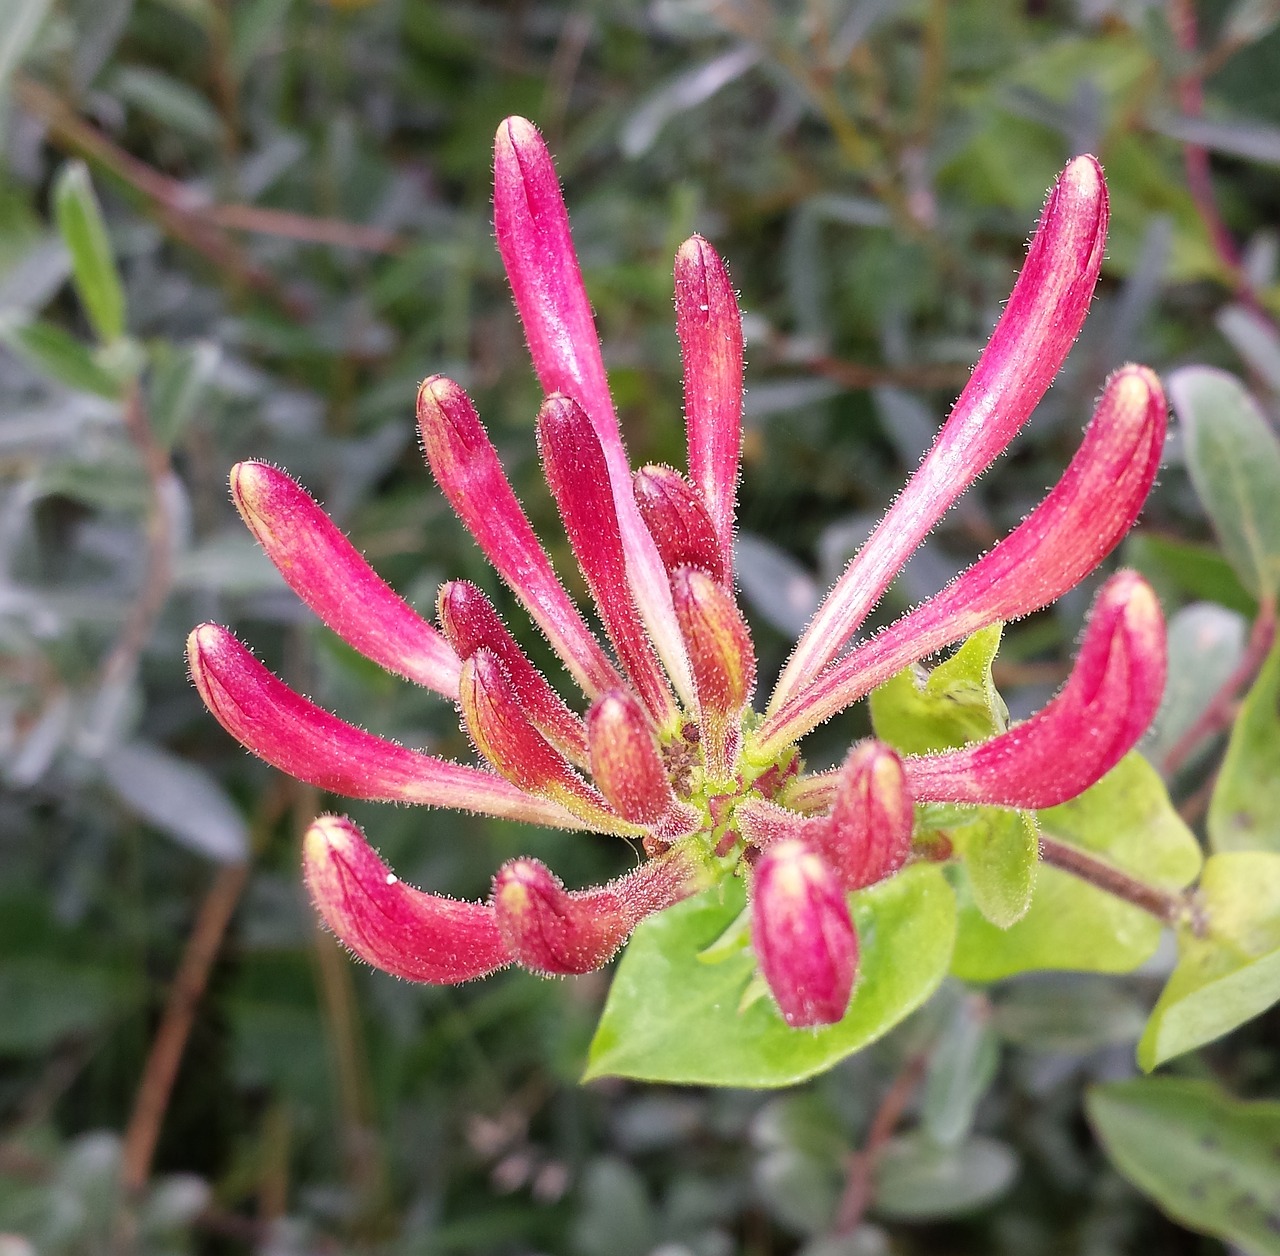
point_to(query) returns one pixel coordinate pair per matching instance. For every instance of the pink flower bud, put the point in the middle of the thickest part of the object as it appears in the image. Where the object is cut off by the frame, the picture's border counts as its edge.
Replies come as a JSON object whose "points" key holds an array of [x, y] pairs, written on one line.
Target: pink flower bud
{"points": [[678, 521], [1108, 702], [504, 734], [868, 835], [579, 480], [1040, 322], [292, 734], [327, 572], [722, 657], [555, 931], [467, 469], [710, 329], [470, 622], [803, 935], [625, 759], [403, 931]]}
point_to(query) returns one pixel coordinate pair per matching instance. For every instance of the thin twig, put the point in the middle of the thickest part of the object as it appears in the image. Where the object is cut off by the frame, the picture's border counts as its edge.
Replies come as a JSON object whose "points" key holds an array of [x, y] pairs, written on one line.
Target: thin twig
{"points": [[165, 1057], [1167, 906], [1195, 157], [861, 1165], [1218, 714]]}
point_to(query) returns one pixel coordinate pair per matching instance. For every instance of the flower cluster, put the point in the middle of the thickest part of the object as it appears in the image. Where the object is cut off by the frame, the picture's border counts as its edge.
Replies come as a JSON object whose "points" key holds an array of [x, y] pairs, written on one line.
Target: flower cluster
{"points": [[670, 751]]}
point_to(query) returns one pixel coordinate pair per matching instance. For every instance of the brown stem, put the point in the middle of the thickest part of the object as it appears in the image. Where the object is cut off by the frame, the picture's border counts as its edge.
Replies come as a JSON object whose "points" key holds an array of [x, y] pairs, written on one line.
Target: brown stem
{"points": [[1217, 715], [861, 1165], [170, 1042], [1166, 906]]}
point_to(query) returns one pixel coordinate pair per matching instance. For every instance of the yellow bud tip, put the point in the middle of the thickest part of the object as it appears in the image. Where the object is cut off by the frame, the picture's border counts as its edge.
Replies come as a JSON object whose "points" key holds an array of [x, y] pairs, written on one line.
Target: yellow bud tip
{"points": [[795, 868], [887, 780], [1082, 175], [517, 132], [1142, 609], [249, 486]]}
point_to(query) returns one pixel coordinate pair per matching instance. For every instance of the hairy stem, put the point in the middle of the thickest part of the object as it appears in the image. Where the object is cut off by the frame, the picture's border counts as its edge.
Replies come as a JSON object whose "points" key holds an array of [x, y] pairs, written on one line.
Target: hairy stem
{"points": [[1167, 906]]}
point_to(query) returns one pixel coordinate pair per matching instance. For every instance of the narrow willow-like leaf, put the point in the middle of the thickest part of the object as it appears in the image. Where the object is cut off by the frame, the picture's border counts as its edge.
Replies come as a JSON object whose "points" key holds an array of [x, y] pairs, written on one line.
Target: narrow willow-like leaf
{"points": [[1207, 1160], [1244, 813], [93, 264], [1234, 460]]}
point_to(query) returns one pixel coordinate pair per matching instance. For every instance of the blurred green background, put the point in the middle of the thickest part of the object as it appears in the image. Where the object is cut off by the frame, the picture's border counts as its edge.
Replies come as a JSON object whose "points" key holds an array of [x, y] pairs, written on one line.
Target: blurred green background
{"points": [[298, 196]]}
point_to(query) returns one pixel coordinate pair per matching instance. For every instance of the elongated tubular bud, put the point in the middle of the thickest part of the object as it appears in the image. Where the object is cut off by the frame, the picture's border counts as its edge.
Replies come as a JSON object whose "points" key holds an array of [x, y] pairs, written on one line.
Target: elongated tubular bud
{"points": [[467, 468], [504, 734], [328, 573], [678, 521], [307, 742], [403, 931], [1108, 702], [722, 656], [802, 934], [868, 834], [1082, 519], [575, 469], [709, 325], [532, 227], [471, 622], [1040, 322], [625, 760], [556, 931]]}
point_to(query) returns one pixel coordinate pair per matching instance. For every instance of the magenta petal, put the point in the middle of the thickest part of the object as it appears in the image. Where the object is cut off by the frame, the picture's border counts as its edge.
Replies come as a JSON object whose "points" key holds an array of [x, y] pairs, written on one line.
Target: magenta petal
{"points": [[422, 937], [506, 736], [327, 572], [576, 473], [556, 931], [678, 521], [802, 934], [471, 623], [532, 226], [1040, 322], [868, 834], [709, 325], [1108, 702], [626, 761], [1082, 519], [467, 468], [301, 739]]}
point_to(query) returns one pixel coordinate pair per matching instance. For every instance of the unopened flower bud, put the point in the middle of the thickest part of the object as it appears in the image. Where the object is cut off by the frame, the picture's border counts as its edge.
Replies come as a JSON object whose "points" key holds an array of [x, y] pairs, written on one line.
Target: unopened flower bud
{"points": [[625, 760], [553, 930], [470, 622], [1109, 700], [868, 835], [507, 738], [419, 936], [675, 515], [721, 655], [802, 934]]}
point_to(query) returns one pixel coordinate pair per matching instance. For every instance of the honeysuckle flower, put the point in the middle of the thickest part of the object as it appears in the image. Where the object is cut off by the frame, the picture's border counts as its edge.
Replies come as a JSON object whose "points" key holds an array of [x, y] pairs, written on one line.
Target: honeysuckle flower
{"points": [[662, 745]]}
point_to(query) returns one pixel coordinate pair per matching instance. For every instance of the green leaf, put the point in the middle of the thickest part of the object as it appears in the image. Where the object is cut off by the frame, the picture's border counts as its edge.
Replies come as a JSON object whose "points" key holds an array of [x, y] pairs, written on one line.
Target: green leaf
{"points": [[48, 1000], [1231, 973], [1234, 461], [93, 266], [961, 1067], [1244, 813], [1178, 571], [1069, 1013], [1127, 819], [954, 704], [60, 356], [1207, 1160], [672, 1018], [19, 24], [917, 1180], [179, 379], [168, 101], [1001, 851], [1206, 644]]}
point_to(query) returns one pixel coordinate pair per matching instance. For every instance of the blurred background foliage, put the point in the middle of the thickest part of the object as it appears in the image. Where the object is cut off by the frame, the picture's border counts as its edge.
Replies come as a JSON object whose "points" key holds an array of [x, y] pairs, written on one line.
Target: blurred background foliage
{"points": [[297, 196]]}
